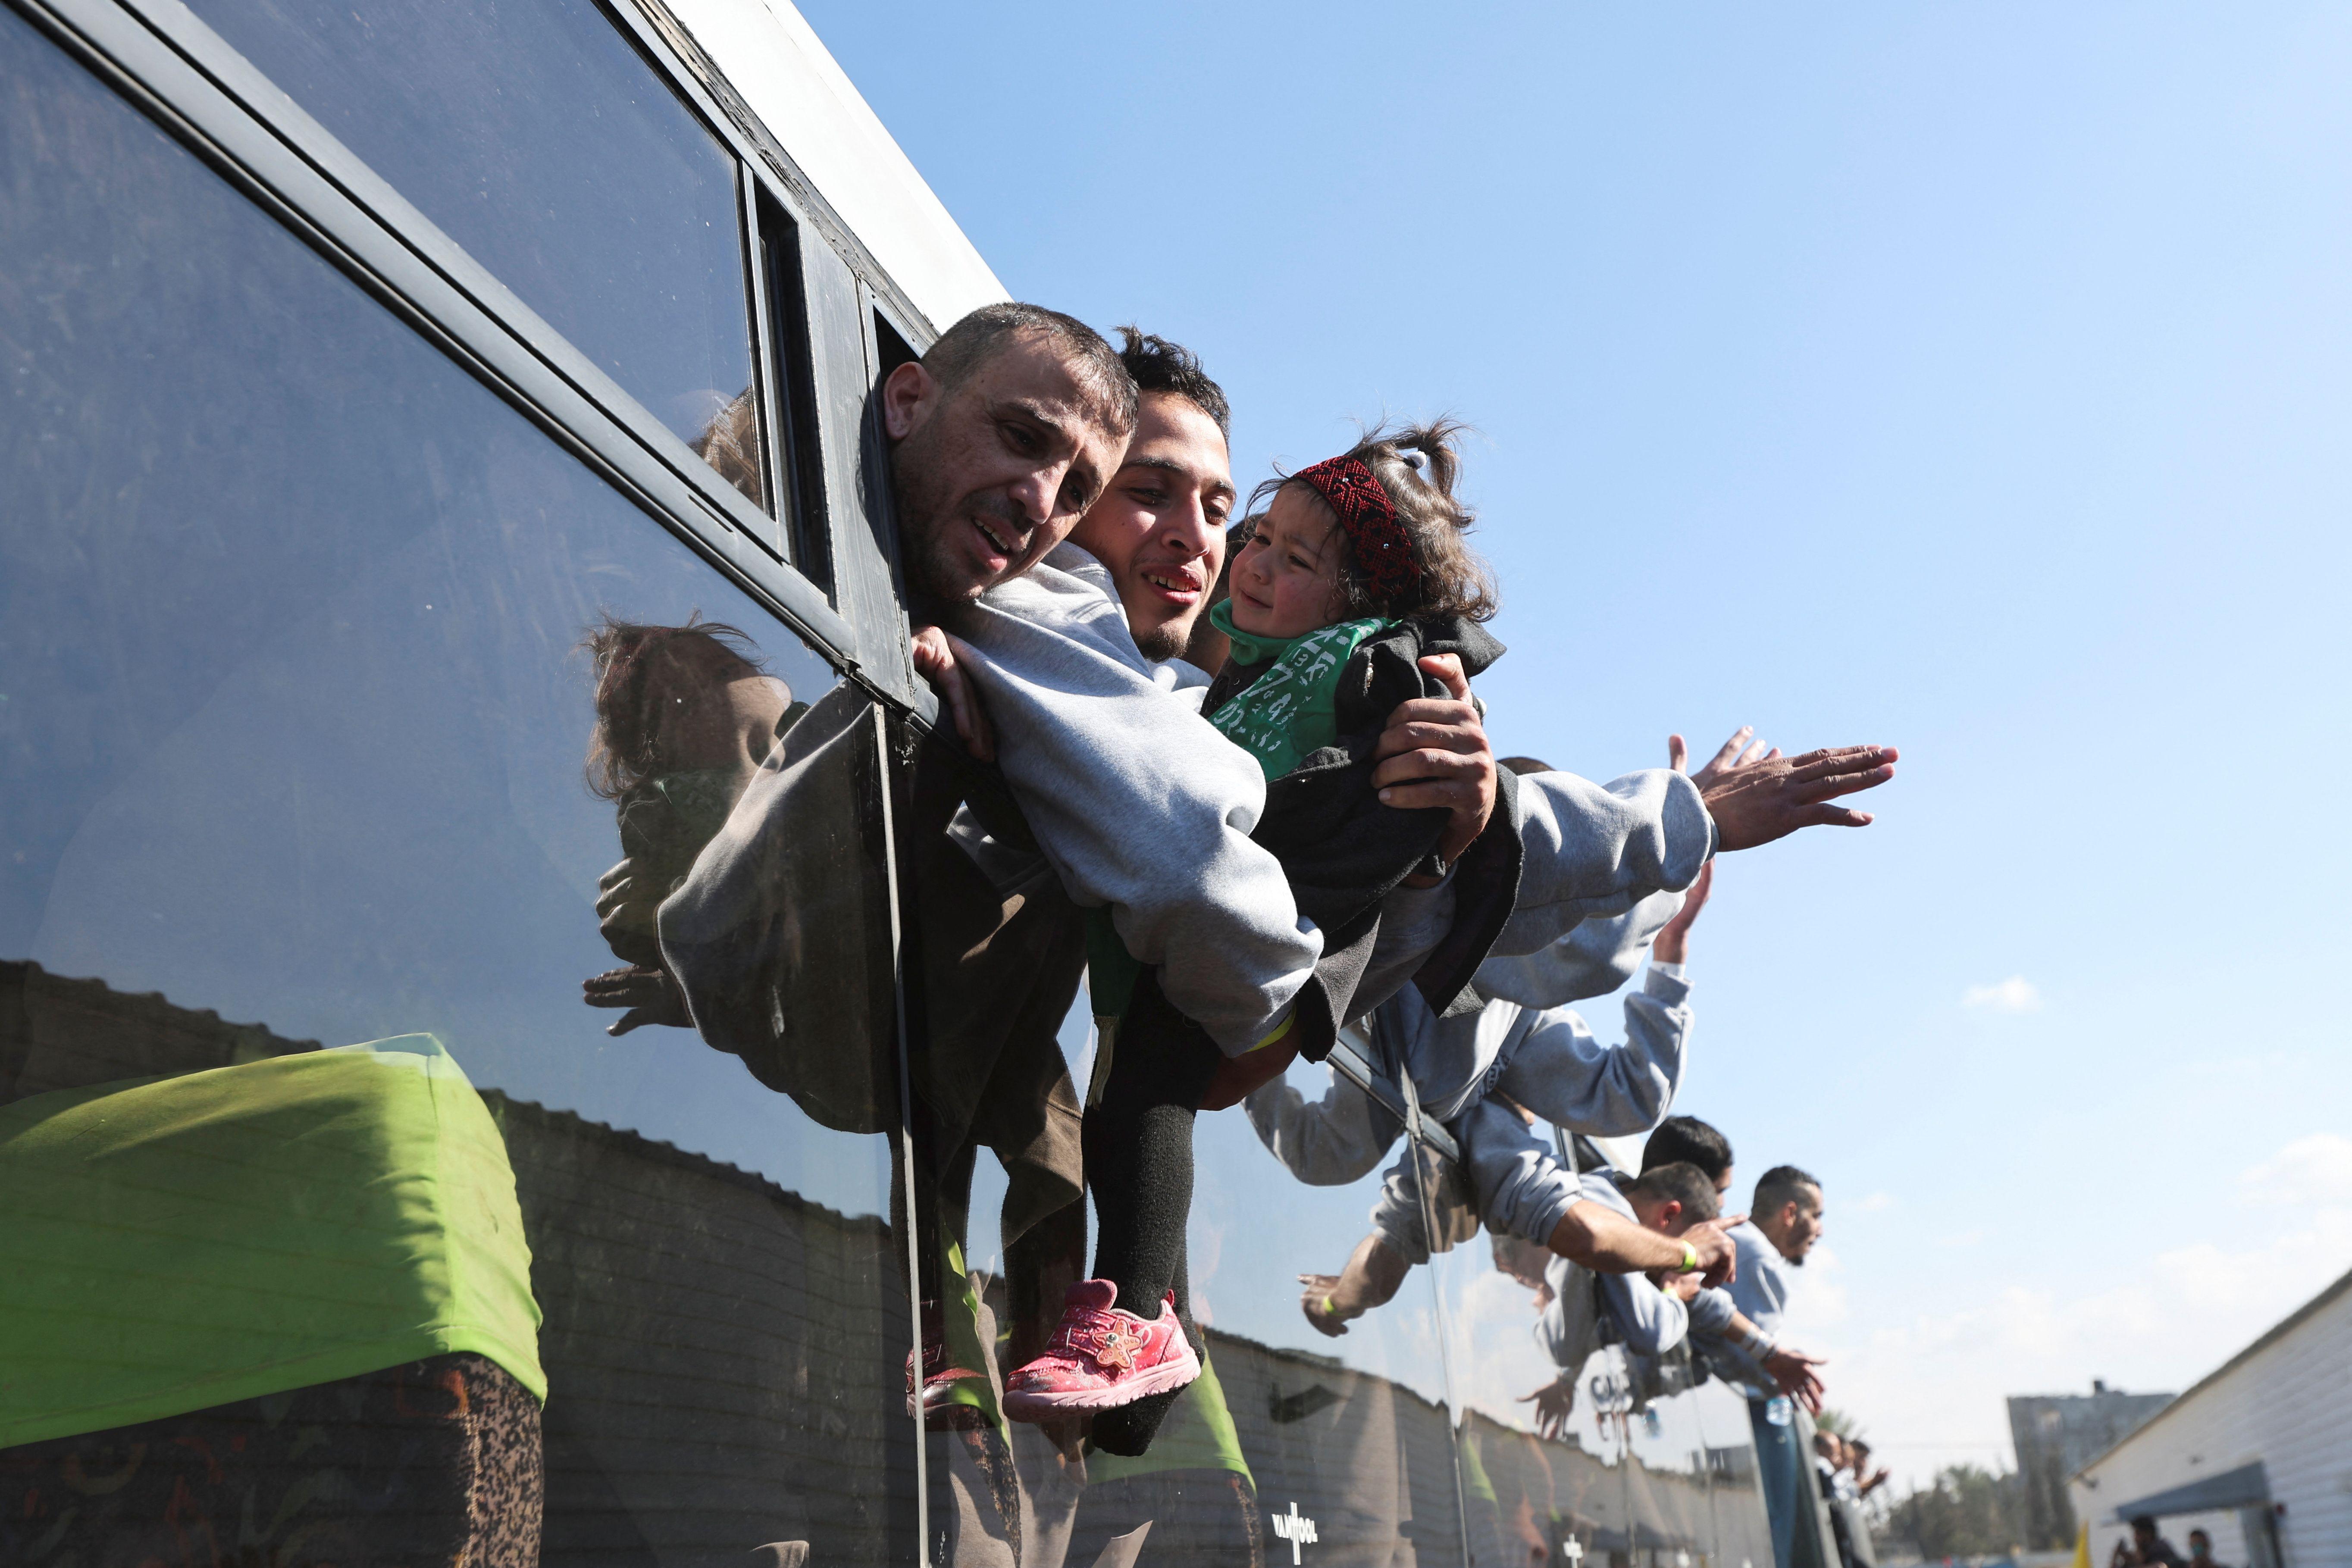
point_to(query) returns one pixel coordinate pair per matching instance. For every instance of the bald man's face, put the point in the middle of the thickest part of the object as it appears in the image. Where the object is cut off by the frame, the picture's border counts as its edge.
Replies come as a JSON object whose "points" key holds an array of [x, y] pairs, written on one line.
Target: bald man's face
{"points": [[1160, 527], [991, 475]]}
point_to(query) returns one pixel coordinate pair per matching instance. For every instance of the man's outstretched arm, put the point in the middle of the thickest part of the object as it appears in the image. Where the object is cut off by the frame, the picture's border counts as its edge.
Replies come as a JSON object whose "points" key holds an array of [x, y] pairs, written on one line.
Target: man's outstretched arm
{"points": [[1374, 1274], [1605, 1241], [1715, 1318], [1595, 850]]}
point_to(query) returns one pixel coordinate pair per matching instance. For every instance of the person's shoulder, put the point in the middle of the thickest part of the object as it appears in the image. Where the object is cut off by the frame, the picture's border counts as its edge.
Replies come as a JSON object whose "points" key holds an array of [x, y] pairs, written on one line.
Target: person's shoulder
{"points": [[1466, 639], [1604, 1186], [1067, 599], [1067, 579]]}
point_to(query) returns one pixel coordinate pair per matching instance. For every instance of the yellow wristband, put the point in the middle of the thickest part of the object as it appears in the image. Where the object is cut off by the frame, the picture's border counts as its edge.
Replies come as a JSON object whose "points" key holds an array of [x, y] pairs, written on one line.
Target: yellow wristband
{"points": [[1690, 1259], [1278, 1032], [1327, 1305]]}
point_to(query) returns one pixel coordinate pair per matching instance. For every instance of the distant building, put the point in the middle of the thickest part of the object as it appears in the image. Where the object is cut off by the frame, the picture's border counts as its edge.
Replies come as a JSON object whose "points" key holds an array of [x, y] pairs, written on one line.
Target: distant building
{"points": [[2259, 1453], [2058, 1434]]}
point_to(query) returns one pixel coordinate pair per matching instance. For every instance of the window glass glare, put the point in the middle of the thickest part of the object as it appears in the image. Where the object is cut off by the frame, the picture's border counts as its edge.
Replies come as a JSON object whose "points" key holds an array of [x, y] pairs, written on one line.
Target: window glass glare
{"points": [[352, 735], [533, 134]]}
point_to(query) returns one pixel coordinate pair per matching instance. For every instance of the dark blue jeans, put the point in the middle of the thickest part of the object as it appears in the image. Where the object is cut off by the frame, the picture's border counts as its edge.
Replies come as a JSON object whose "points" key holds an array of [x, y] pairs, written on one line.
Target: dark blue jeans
{"points": [[1786, 1472]]}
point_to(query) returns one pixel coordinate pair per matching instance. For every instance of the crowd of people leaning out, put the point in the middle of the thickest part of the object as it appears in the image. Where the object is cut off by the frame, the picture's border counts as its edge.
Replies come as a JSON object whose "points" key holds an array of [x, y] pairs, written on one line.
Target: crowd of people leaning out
{"points": [[1231, 770]]}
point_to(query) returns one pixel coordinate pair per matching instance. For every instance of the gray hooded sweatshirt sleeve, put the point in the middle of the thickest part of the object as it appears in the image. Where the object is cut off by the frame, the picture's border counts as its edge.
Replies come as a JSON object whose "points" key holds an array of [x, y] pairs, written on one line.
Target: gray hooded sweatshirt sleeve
{"points": [[1335, 1140], [1593, 958], [1653, 1321], [1561, 1071], [1137, 802], [1600, 849]]}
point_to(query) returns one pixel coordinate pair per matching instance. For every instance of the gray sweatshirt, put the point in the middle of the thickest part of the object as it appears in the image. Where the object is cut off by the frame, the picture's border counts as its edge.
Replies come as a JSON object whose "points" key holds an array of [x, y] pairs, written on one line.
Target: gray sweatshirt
{"points": [[1344, 1135], [1650, 1322], [1549, 1063], [1137, 801], [1142, 805], [1760, 1290]]}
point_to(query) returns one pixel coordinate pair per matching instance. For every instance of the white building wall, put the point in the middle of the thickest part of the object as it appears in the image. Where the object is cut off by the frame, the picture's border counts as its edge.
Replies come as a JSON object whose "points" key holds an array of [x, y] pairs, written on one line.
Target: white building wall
{"points": [[2290, 1405], [769, 53]]}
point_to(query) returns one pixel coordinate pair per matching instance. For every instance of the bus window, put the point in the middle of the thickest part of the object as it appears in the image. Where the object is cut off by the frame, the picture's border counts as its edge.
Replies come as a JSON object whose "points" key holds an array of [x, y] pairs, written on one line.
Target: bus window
{"points": [[536, 136], [356, 739]]}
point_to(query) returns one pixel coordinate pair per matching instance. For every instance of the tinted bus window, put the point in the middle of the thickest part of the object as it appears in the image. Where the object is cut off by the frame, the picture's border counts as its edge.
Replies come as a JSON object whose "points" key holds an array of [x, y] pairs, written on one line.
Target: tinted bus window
{"points": [[356, 739], [535, 136], [1634, 1459]]}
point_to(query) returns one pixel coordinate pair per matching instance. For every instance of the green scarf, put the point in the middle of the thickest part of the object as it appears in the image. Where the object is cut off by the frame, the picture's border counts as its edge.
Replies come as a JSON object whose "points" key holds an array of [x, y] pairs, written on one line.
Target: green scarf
{"points": [[1292, 710]]}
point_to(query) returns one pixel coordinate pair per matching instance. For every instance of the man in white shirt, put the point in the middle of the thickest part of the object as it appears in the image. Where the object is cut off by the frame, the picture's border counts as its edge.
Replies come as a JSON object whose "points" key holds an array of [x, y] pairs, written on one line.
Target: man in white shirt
{"points": [[1783, 1224]]}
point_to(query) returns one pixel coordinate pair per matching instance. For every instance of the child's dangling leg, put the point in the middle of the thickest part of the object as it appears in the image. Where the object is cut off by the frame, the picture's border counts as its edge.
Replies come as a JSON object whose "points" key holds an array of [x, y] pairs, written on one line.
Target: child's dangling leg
{"points": [[1122, 1338]]}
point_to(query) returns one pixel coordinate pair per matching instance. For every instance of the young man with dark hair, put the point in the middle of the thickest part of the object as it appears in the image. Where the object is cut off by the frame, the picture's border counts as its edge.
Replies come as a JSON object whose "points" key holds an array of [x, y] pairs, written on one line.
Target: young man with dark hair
{"points": [[1688, 1139], [1650, 1312], [1160, 526], [1784, 1224]]}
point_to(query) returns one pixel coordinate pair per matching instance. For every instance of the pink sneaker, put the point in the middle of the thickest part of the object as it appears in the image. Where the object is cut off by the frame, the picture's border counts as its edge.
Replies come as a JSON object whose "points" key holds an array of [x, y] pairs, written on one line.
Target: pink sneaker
{"points": [[950, 1393], [1101, 1358]]}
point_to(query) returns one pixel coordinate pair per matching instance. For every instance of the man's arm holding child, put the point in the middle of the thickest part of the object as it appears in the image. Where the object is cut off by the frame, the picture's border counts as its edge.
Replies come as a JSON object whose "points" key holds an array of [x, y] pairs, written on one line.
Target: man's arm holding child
{"points": [[1114, 771]]}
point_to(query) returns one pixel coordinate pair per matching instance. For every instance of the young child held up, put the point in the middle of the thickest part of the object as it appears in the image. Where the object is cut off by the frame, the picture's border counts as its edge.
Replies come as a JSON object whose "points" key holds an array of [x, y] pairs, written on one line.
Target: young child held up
{"points": [[1356, 570]]}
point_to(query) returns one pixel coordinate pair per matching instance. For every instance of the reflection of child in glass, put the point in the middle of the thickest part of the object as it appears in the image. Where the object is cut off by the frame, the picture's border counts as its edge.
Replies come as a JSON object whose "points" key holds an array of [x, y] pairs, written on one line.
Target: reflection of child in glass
{"points": [[1355, 568], [684, 716]]}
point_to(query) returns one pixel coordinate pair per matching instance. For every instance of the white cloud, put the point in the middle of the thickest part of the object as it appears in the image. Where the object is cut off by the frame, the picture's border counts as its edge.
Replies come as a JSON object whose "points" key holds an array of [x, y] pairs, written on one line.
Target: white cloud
{"points": [[2014, 994], [1927, 1386], [2314, 1170], [1873, 1203]]}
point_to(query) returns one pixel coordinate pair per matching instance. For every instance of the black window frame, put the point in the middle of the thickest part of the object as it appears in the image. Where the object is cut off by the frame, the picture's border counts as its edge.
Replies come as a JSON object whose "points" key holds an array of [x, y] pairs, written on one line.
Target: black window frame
{"points": [[161, 58]]}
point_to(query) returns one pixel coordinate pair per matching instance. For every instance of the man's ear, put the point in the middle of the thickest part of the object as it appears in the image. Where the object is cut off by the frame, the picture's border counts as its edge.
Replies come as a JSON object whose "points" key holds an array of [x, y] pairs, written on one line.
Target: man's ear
{"points": [[1668, 1213], [908, 393]]}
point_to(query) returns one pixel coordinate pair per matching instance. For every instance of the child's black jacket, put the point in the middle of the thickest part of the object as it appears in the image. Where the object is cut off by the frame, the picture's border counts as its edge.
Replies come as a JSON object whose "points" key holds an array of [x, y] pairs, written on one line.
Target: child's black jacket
{"points": [[1344, 851]]}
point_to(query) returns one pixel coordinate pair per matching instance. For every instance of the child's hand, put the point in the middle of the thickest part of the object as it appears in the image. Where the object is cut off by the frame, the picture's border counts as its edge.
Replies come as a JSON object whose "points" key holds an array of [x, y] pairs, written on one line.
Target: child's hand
{"points": [[938, 659]]}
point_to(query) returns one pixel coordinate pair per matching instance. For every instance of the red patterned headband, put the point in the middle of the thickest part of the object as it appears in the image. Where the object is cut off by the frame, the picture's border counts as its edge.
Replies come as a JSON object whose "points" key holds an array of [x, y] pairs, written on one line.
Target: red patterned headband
{"points": [[1383, 549]]}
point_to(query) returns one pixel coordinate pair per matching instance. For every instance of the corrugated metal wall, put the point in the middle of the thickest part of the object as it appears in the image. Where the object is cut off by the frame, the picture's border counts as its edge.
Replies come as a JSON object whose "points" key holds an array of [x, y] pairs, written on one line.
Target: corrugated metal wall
{"points": [[2289, 1404]]}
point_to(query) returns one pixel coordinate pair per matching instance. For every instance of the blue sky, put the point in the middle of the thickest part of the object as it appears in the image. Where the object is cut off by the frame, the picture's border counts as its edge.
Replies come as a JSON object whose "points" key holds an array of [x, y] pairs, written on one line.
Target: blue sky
{"points": [[1974, 378]]}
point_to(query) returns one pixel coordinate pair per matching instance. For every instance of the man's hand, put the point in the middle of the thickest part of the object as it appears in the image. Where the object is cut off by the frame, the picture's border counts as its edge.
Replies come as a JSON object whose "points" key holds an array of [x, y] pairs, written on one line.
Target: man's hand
{"points": [[1754, 803], [940, 660], [626, 909], [1435, 752], [1672, 944], [1793, 1371], [647, 992], [1552, 1403], [1742, 750], [1329, 1323], [1604, 1241], [1682, 1286], [1718, 1260]]}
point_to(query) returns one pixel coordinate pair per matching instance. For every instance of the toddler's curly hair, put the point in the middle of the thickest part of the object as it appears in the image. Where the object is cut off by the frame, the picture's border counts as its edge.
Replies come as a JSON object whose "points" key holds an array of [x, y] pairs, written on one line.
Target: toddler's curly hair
{"points": [[1417, 466]]}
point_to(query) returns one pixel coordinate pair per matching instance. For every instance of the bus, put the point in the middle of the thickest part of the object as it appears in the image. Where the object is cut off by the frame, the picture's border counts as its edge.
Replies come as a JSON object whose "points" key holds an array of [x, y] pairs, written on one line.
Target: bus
{"points": [[447, 565]]}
